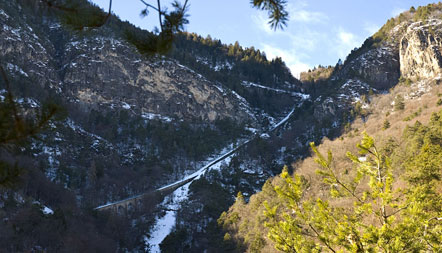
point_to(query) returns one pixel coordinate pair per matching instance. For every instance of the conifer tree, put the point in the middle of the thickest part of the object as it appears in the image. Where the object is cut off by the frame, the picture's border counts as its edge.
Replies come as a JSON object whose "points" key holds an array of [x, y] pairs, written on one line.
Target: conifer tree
{"points": [[382, 218], [16, 129], [80, 15], [399, 103], [386, 124]]}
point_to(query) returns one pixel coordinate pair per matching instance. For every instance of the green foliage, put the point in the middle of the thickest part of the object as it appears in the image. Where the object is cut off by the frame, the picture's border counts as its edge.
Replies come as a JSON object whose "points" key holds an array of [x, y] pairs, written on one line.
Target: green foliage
{"points": [[233, 64], [386, 124], [405, 81], [276, 8], [439, 102], [16, 127], [79, 14], [424, 143], [399, 103], [422, 13], [382, 34], [383, 218], [82, 15], [9, 174], [317, 74], [358, 110], [413, 115]]}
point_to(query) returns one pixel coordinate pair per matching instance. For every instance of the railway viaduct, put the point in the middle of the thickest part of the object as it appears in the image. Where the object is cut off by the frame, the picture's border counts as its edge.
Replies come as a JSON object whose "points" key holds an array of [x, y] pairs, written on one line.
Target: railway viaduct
{"points": [[125, 205]]}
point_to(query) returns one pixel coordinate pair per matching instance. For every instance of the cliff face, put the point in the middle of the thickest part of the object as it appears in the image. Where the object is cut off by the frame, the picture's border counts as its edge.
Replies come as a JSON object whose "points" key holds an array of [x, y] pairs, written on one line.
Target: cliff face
{"points": [[108, 72], [105, 72], [420, 50], [377, 66], [133, 122], [410, 49], [137, 121]]}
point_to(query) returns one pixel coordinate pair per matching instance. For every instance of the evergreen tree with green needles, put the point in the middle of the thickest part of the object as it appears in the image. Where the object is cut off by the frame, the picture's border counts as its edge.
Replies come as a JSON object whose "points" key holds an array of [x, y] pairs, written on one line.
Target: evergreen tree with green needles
{"points": [[382, 217]]}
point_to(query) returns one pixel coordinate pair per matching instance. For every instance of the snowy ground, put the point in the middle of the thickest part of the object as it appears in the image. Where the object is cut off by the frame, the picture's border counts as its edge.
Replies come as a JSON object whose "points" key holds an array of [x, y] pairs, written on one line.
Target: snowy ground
{"points": [[172, 203], [164, 224]]}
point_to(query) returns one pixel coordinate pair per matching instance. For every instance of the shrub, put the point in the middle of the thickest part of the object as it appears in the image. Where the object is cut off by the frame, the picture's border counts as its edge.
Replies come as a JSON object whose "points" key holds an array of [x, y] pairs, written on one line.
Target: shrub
{"points": [[386, 124], [399, 103]]}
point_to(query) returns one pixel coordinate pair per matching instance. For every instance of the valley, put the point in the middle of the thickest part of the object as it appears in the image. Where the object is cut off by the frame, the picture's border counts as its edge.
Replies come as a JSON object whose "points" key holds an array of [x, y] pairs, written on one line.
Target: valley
{"points": [[183, 151]]}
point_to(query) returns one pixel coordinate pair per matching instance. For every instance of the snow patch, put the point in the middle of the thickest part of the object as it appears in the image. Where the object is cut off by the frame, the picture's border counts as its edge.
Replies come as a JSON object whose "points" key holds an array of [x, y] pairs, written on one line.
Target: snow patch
{"points": [[3, 13], [54, 26], [46, 210], [172, 203], [265, 136], [126, 106], [15, 68], [362, 158], [79, 129], [251, 129], [28, 101], [294, 94], [165, 224], [151, 116]]}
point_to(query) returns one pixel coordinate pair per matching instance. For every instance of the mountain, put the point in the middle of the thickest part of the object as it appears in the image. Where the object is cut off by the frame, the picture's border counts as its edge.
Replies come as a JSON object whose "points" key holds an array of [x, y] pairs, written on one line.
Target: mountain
{"points": [[128, 124], [131, 123], [389, 88]]}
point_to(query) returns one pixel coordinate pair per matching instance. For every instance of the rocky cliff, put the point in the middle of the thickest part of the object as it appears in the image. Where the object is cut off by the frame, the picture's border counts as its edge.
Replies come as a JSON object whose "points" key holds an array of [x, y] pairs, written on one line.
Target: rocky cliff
{"points": [[135, 123], [420, 50], [404, 47], [105, 72], [132, 122], [402, 61]]}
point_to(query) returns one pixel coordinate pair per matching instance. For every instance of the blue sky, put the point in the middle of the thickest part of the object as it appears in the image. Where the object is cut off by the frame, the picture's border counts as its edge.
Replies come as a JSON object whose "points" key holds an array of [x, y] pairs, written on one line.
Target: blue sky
{"points": [[319, 31]]}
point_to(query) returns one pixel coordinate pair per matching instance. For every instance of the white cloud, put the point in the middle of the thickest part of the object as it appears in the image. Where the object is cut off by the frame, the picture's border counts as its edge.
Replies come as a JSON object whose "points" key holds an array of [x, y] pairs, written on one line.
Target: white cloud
{"points": [[290, 57], [298, 68], [307, 16], [346, 37], [298, 14], [262, 23], [345, 42], [371, 28], [309, 36], [396, 11], [306, 40]]}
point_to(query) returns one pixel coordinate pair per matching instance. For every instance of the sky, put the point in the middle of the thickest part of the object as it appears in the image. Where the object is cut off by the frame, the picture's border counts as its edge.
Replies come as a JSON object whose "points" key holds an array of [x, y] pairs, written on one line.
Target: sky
{"points": [[319, 32]]}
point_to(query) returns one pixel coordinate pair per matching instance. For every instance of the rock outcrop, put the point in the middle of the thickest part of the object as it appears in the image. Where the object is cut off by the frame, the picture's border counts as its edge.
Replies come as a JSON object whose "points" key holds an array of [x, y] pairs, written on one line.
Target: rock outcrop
{"points": [[420, 50], [105, 72], [377, 66]]}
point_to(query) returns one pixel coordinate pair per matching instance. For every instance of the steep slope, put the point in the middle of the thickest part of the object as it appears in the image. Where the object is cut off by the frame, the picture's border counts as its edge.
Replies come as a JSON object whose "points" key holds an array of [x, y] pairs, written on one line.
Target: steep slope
{"points": [[407, 47], [420, 50], [96, 71], [129, 124], [98, 78], [266, 84]]}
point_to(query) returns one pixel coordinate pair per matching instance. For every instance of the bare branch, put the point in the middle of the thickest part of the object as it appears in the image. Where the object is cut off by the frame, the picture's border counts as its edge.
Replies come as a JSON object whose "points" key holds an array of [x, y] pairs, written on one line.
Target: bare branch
{"points": [[149, 5], [10, 97], [159, 14]]}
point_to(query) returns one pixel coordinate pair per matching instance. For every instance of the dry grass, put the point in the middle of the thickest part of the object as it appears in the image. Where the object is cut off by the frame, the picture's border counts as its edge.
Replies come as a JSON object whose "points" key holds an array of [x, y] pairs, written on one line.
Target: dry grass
{"points": [[317, 74], [380, 106]]}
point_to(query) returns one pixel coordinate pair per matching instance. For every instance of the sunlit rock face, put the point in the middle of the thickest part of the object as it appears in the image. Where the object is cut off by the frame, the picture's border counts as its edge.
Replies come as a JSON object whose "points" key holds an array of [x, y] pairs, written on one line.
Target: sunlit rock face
{"points": [[106, 72], [420, 50]]}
